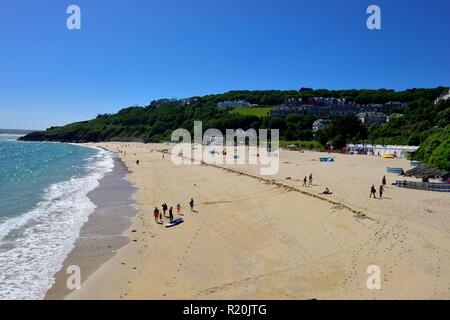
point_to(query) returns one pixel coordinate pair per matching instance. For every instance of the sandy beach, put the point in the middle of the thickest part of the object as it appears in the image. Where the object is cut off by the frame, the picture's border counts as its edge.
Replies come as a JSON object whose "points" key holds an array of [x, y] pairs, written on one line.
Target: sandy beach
{"points": [[254, 238]]}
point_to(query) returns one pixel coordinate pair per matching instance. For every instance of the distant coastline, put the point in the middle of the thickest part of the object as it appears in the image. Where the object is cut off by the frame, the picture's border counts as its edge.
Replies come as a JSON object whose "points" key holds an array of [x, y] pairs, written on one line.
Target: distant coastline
{"points": [[16, 131]]}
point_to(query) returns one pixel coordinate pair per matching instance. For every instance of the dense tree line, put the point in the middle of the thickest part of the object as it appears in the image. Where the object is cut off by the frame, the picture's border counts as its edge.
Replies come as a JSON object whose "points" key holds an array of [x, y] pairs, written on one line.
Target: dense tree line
{"points": [[421, 122]]}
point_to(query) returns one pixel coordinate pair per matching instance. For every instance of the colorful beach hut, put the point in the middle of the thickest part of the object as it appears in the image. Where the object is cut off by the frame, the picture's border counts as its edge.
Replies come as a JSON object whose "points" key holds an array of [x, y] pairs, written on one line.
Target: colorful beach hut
{"points": [[427, 186], [415, 164], [395, 170]]}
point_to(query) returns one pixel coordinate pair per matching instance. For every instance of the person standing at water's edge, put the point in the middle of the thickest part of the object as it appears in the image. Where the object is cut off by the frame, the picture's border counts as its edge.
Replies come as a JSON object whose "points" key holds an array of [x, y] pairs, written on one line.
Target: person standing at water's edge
{"points": [[191, 204], [310, 179], [381, 191], [383, 181], [178, 209], [171, 214]]}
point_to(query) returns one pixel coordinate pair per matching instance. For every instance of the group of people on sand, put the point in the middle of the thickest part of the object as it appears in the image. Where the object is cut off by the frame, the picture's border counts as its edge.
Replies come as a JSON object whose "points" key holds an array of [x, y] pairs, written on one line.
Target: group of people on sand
{"points": [[308, 179], [158, 215], [122, 151], [373, 190]]}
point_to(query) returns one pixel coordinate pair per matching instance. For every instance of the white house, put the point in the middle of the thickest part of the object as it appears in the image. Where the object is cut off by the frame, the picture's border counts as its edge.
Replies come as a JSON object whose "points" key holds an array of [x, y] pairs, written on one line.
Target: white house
{"points": [[370, 118], [320, 124]]}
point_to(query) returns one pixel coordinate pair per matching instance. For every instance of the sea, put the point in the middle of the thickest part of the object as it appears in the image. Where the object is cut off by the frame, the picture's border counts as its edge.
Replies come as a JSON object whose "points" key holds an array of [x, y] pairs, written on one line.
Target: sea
{"points": [[44, 203]]}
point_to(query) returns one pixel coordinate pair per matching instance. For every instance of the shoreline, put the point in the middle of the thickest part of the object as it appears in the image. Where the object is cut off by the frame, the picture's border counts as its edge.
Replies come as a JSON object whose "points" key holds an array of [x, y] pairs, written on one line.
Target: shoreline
{"points": [[103, 234]]}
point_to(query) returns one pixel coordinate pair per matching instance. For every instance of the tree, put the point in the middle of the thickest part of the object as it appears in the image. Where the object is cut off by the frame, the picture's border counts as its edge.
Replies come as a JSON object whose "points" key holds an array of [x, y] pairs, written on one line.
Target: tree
{"points": [[321, 137], [339, 141]]}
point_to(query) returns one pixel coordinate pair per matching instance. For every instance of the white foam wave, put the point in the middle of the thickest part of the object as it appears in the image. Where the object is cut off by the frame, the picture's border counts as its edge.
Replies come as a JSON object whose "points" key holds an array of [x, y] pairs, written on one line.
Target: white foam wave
{"points": [[34, 246]]}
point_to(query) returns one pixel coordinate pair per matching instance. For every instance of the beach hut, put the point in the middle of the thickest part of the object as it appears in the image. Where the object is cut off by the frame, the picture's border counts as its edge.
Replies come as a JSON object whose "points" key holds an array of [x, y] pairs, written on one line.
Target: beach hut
{"points": [[395, 170], [426, 171], [445, 177], [427, 186]]}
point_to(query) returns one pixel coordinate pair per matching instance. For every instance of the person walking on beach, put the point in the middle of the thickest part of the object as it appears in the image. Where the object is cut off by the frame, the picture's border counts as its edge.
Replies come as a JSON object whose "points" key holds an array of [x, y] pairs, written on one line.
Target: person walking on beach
{"points": [[310, 179], [171, 214], [304, 181], [373, 192], [383, 181], [178, 209], [381, 191], [156, 215], [164, 207], [191, 204]]}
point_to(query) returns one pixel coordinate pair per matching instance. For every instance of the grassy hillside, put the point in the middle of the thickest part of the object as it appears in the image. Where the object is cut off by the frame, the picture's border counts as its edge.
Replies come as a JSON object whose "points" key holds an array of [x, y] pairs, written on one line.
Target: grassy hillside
{"points": [[418, 121], [252, 111], [436, 149]]}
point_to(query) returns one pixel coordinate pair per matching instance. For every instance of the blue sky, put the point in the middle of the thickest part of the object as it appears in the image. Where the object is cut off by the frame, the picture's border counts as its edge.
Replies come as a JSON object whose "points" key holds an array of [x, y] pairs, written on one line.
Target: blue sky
{"points": [[129, 52]]}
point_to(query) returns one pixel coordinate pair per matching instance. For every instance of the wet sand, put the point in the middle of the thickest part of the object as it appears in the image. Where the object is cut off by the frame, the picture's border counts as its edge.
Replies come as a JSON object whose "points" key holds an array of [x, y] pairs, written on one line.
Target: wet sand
{"points": [[102, 235]]}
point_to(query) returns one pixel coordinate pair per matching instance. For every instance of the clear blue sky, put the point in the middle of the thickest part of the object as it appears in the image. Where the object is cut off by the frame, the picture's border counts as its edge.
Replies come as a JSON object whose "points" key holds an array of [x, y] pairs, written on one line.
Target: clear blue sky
{"points": [[132, 51]]}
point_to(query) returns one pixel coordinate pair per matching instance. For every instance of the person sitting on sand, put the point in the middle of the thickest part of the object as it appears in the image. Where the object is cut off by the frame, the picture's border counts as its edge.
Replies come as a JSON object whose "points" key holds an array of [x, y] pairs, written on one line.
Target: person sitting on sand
{"points": [[156, 215], [178, 209], [171, 214], [381, 191], [137, 162], [373, 192], [327, 191], [191, 204]]}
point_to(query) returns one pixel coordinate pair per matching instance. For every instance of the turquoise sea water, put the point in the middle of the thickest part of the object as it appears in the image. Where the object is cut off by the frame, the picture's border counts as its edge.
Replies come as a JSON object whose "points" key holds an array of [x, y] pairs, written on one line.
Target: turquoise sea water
{"points": [[43, 205]]}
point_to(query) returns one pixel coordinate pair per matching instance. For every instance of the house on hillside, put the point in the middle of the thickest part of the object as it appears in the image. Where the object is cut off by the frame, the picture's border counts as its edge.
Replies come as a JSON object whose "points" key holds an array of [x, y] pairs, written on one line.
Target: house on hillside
{"points": [[370, 118], [394, 116], [233, 104], [320, 124], [282, 111], [444, 96]]}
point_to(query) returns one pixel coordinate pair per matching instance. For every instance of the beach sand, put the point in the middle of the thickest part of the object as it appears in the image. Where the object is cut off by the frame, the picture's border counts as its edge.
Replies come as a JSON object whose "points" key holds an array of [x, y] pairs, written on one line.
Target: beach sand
{"points": [[252, 238]]}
